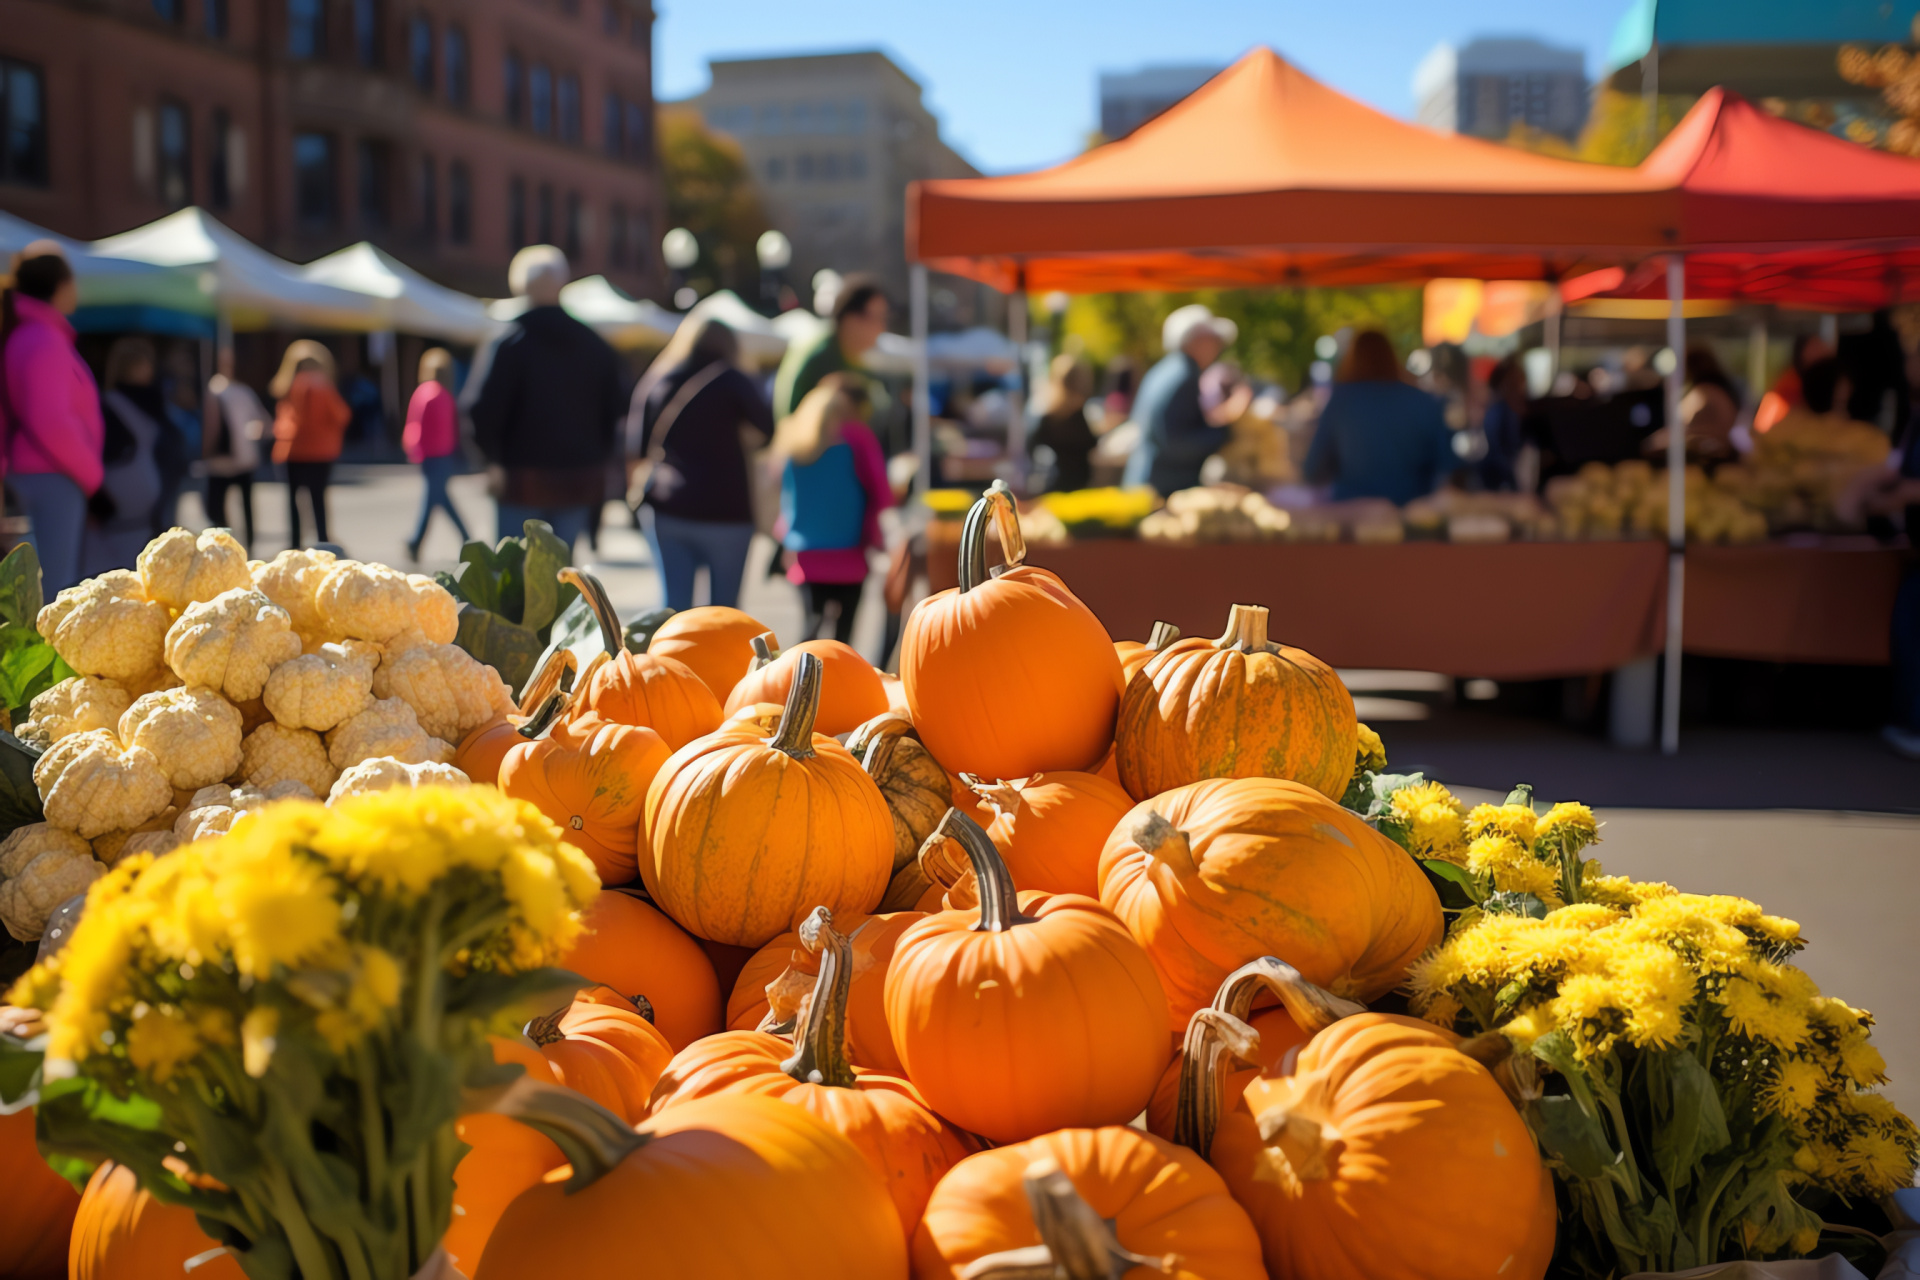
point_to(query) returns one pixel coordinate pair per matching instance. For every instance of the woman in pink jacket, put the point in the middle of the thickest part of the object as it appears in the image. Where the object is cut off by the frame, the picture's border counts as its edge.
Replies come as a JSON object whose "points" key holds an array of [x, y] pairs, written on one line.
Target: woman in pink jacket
{"points": [[50, 421], [432, 441]]}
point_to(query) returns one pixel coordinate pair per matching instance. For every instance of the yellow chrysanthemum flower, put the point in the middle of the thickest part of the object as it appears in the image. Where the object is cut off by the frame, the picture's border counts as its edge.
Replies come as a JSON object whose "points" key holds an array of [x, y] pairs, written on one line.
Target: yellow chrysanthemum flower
{"points": [[1585, 915], [1770, 1002], [159, 1041], [1515, 821], [372, 991], [1511, 866], [280, 910], [1432, 816], [1877, 1162], [1793, 1091], [1619, 891], [1529, 1025], [1862, 1062], [1370, 752], [1695, 927], [1569, 821]]}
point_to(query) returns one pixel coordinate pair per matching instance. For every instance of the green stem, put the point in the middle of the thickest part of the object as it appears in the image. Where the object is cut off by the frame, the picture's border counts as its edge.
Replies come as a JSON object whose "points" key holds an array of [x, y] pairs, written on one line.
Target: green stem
{"points": [[999, 899], [820, 1042], [372, 1118], [291, 1217], [794, 734], [1611, 1101], [1703, 1235]]}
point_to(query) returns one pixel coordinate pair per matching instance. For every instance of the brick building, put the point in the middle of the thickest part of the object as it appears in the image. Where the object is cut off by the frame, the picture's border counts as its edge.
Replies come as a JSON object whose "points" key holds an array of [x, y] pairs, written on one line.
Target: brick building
{"points": [[449, 132]]}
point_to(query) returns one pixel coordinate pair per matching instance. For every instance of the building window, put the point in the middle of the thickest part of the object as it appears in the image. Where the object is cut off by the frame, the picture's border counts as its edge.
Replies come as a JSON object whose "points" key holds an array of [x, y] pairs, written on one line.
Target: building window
{"points": [[610, 18], [169, 10], [569, 102], [176, 155], [611, 138], [313, 179], [540, 99], [376, 191], [545, 213], [776, 169], [219, 174], [510, 72], [617, 235], [420, 52], [457, 85], [639, 136], [459, 203], [23, 124], [428, 201], [306, 28], [368, 47], [516, 213], [214, 12], [576, 225]]}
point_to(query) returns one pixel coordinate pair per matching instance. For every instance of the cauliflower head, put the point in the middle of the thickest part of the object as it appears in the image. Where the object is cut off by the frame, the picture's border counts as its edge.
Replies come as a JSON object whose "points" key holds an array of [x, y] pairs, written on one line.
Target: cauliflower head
{"points": [[387, 728], [365, 601], [383, 772], [193, 732], [449, 690], [435, 612], [213, 810], [91, 784], [70, 707], [319, 690], [290, 580], [231, 643], [273, 753], [107, 627], [154, 836], [41, 866], [179, 568]]}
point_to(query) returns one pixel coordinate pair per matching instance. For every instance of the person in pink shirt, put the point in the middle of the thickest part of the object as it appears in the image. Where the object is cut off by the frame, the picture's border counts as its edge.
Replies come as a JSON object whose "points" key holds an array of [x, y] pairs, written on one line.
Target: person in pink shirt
{"points": [[432, 439], [833, 487], [51, 432]]}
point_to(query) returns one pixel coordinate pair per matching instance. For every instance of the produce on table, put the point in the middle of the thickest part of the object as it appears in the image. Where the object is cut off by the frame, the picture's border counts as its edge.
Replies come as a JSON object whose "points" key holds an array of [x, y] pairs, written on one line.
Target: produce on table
{"points": [[212, 811], [73, 706], [320, 689], [292, 581], [714, 641], [121, 1232], [451, 694], [603, 1044], [850, 690], [155, 835], [192, 732], [91, 784], [273, 754], [594, 788], [1051, 828], [383, 773], [1237, 707], [1219, 514], [180, 568], [650, 689], [38, 1208], [389, 727], [1630, 499], [231, 643], [106, 626], [917, 790], [628, 944], [41, 866]]}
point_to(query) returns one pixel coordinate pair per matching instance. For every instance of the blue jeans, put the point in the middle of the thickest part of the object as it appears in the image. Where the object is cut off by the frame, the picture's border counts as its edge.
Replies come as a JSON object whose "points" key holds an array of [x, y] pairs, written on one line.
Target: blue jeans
{"points": [[59, 513], [437, 472], [568, 522], [681, 546]]}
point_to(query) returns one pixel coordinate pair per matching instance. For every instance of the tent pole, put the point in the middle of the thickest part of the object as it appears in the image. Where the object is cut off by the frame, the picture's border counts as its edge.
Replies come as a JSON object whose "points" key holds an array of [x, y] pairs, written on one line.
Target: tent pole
{"points": [[922, 393], [1676, 502], [1017, 401]]}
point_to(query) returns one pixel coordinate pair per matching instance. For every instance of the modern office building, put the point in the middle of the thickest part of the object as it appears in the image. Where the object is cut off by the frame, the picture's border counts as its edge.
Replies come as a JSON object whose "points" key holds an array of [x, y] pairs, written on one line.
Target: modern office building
{"points": [[450, 132], [1493, 83], [1128, 99]]}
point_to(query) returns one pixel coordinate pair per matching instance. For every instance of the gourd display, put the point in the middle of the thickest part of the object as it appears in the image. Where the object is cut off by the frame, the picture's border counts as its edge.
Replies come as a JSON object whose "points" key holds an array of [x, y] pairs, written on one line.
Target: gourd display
{"points": [[38, 1208], [850, 690], [1022, 1017], [783, 971], [1237, 707], [714, 641], [882, 1115], [917, 790], [653, 690], [594, 788], [630, 945], [1010, 675], [1217, 873], [121, 1232], [748, 834], [1051, 828]]}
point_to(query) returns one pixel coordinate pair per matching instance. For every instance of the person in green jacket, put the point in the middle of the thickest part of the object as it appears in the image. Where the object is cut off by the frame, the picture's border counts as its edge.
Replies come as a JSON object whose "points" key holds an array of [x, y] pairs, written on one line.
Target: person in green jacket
{"points": [[859, 318]]}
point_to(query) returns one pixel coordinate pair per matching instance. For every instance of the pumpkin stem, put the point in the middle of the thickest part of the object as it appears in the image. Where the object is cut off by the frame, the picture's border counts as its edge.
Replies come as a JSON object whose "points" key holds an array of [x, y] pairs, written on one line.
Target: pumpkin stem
{"points": [[973, 547], [786, 997], [820, 1042], [794, 734], [995, 505], [545, 682], [999, 900], [592, 1138], [1313, 1009], [1307, 1145], [1003, 796], [612, 639], [1215, 1040], [1078, 1243], [1158, 838], [1247, 630], [766, 647], [545, 716], [1162, 635], [888, 727]]}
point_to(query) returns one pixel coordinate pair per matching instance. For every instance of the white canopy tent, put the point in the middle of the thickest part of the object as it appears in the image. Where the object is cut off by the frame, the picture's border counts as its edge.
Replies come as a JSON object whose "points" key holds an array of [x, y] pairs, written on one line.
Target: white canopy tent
{"points": [[760, 341], [410, 302], [106, 281], [593, 300]]}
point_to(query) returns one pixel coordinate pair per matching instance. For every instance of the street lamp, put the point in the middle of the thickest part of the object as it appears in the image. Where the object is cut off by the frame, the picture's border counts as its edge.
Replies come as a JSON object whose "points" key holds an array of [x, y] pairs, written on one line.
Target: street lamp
{"points": [[680, 250], [775, 252]]}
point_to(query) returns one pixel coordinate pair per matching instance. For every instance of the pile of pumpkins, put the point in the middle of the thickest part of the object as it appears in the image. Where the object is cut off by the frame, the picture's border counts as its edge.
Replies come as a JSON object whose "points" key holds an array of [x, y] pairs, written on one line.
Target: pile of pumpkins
{"points": [[1048, 958]]}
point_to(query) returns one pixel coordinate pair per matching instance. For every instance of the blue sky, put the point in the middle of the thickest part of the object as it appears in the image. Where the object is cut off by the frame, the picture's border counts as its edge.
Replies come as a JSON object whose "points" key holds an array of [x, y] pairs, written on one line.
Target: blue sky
{"points": [[1014, 81]]}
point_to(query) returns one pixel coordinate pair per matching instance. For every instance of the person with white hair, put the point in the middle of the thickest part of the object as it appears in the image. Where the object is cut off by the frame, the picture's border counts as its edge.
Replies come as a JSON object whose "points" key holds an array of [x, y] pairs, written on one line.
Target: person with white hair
{"points": [[1175, 436], [546, 404]]}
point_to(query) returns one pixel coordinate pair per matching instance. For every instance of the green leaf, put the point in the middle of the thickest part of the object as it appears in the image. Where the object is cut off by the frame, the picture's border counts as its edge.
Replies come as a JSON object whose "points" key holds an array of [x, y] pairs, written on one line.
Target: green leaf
{"points": [[19, 798], [1385, 784], [1572, 1137], [546, 556], [1453, 883], [478, 579], [26, 665], [507, 648], [20, 592], [451, 583], [1688, 1122], [19, 1069], [641, 630], [1521, 795], [510, 581]]}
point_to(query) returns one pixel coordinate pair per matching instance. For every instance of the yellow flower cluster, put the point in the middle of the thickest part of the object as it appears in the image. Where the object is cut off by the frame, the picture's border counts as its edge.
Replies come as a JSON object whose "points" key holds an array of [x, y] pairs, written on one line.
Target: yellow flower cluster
{"points": [[1434, 820], [1369, 752], [1507, 847]]}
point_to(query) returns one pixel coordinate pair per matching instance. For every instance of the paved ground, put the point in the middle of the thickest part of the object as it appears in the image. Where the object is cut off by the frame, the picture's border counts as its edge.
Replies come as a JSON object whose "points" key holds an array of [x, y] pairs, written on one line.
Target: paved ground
{"points": [[1817, 826]]}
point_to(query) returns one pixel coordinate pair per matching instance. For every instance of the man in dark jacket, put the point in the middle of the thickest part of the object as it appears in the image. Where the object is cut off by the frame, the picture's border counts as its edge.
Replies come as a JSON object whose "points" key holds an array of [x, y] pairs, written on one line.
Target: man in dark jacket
{"points": [[545, 405]]}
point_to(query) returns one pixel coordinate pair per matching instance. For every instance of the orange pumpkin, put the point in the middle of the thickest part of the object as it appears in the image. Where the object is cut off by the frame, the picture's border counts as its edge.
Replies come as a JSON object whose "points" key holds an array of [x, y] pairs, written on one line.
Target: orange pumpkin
{"points": [[882, 1115], [896, 693], [1025, 1015], [122, 1233], [783, 970], [1008, 676], [1212, 875], [748, 834], [653, 690], [1237, 707], [736, 1187], [480, 753], [631, 946], [1134, 654], [36, 1213], [1103, 1202], [850, 690], [1051, 828], [715, 641], [601, 1044], [593, 788]]}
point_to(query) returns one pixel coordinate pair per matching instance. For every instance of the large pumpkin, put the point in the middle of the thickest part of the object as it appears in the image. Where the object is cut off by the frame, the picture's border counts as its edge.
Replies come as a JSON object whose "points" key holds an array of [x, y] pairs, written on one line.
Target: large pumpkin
{"points": [[748, 834], [36, 1211], [654, 690], [1212, 875], [1103, 1202], [1024, 1016], [631, 946], [593, 787], [738, 1187], [784, 970], [715, 641], [850, 690], [122, 1233], [1237, 707], [1051, 828], [1012, 675], [882, 1115], [1135, 654], [917, 790], [1382, 1120], [481, 752]]}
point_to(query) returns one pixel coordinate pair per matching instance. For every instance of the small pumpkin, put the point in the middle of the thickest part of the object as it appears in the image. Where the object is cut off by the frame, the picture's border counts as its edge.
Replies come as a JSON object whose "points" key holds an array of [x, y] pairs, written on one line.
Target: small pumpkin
{"points": [[1025, 1016], [481, 752], [593, 787], [603, 1044], [747, 834], [850, 690], [1237, 707], [37, 1211], [1212, 875], [122, 1233], [1051, 828], [1135, 654], [882, 1115], [917, 790], [653, 690], [631, 946], [1012, 675], [735, 1187], [713, 640], [1085, 1204]]}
